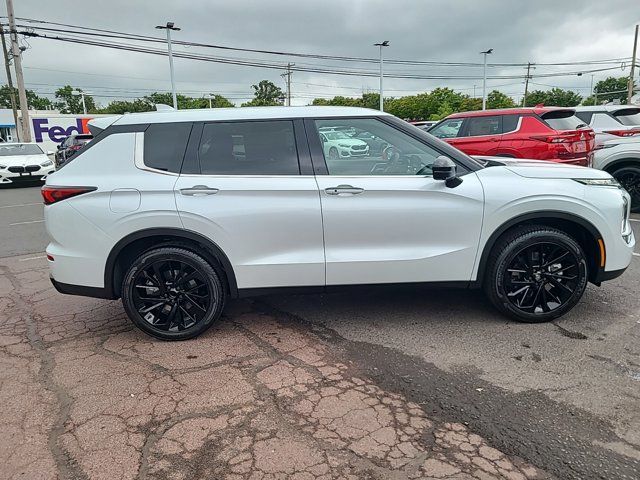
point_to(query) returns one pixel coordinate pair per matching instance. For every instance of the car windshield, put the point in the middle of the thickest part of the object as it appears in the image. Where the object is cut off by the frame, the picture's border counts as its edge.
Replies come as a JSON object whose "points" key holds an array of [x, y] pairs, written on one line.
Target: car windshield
{"points": [[19, 149], [563, 120], [336, 135]]}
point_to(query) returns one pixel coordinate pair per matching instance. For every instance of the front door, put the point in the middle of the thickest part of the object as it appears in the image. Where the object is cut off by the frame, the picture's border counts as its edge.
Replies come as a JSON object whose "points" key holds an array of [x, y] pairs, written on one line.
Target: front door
{"points": [[386, 220], [247, 194]]}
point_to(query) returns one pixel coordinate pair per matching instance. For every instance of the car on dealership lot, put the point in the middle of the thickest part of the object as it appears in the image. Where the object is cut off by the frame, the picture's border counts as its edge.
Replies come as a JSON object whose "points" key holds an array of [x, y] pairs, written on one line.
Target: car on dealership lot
{"points": [[159, 211], [24, 162], [337, 144], [611, 122], [539, 133], [621, 158], [70, 146]]}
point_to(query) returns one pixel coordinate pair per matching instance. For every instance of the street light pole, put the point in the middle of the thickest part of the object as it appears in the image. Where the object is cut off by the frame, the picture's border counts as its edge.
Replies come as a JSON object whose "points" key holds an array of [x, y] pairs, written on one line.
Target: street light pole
{"points": [[484, 78], [633, 68], [81, 93], [168, 27], [381, 44]]}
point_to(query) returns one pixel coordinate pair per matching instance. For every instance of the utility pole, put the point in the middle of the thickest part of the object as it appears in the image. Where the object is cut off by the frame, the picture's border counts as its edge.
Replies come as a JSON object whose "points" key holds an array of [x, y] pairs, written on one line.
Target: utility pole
{"points": [[168, 27], [633, 67], [484, 78], [12, 92], [381, 44], [82, 94], [526, 84], [287, 76], [17, 65]]}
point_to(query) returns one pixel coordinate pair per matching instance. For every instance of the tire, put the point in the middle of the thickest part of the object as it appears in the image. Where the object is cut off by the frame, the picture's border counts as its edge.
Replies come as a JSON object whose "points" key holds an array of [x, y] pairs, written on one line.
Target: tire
{"points": [[187, 301], [333, 153], [629, 178], [530, 291]]}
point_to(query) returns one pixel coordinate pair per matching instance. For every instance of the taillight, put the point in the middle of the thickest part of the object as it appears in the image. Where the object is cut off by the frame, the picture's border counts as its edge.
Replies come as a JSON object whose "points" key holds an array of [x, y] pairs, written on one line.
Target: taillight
{"points": [[570, 137], [623, 133], [52, 195]]}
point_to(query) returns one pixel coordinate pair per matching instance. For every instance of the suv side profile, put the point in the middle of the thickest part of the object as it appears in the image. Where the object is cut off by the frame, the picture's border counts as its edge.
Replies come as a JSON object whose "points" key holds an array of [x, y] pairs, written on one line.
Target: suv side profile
{"points": [[611, 122], [174, 212], [539, 133]]}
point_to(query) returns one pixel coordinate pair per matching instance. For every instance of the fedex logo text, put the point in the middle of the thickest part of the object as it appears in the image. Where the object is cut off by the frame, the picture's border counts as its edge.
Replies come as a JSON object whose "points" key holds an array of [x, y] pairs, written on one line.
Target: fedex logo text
{"points": [[57, 133]]}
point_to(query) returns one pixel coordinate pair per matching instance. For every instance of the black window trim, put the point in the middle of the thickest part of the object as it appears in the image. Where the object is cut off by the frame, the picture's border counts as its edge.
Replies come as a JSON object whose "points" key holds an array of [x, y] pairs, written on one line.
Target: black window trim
{"points": [[303, 154], [466, 164]]}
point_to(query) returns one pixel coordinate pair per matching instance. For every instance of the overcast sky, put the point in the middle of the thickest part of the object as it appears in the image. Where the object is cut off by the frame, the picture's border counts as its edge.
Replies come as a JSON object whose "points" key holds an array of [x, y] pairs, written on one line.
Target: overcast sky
{"points": [[543, 31]]}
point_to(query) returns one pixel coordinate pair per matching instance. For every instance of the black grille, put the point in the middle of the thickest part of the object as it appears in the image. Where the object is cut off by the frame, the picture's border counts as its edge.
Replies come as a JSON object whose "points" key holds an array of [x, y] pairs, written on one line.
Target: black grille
{"points": [[16, 169], [358, 147], [28, 168]]}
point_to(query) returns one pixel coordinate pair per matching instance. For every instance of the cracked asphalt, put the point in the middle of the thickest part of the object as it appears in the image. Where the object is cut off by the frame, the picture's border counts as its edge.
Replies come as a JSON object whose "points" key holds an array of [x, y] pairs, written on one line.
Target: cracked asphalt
{"points": [[397, 384]]}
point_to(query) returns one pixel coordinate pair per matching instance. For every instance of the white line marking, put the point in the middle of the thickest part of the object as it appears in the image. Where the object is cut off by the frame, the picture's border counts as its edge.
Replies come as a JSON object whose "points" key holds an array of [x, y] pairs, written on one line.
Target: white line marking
{"points": [[21, 205], [636, 254], [25, 223], [634, 220], [32, 258]]}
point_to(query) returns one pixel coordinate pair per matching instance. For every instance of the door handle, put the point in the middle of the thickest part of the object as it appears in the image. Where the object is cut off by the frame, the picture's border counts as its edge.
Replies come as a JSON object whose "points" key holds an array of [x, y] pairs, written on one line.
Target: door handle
{"points": [[343, 190], [198, 190]]}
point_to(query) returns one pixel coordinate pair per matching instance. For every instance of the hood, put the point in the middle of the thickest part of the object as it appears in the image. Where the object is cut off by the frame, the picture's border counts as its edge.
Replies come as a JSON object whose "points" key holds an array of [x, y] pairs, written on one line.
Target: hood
{"points": [[349, 141], [20, 160], [542, 169]]}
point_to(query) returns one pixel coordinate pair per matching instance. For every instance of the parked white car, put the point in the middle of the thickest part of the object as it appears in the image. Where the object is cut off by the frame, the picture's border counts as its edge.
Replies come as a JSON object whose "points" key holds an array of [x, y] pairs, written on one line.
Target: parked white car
{"points": [[621, 158], [611, 122], [24, 162], [159, 210], [337, 144]]}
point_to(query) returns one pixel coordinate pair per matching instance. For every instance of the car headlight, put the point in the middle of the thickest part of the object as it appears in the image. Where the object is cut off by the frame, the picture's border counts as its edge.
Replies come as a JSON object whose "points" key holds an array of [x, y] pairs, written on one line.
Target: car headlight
{"points": [[343, 145], [601, 182], [48, 163]]}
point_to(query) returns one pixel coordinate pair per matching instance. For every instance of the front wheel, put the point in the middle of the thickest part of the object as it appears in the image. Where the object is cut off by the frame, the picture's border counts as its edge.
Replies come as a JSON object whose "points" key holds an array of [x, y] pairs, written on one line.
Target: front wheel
{"points": [[536, 274], [172, 293], [629, 178]]}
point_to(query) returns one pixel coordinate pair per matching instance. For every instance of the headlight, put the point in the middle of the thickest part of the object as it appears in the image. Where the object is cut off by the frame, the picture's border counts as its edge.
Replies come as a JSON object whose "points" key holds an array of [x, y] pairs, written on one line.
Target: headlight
{"points": [[48, 163], [343, 145], [2, 167], [602, 182]]}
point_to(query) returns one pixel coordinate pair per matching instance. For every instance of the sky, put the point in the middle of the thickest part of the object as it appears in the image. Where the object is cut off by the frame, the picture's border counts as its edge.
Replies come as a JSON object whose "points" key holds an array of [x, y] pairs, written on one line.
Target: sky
{"points": [[541, 31]]}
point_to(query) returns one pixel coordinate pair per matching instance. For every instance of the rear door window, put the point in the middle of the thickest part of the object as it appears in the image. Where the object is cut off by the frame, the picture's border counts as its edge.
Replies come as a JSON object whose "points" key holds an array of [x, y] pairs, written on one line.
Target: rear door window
{"points": [[563, 120], [165, 144], [249, 148], [448, 128], [483, 126]]}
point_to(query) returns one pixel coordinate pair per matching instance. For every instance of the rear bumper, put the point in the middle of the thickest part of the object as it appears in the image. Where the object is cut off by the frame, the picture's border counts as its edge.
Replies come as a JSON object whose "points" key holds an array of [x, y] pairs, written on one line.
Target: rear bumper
{"points": [[81, 290], [606, 276]]}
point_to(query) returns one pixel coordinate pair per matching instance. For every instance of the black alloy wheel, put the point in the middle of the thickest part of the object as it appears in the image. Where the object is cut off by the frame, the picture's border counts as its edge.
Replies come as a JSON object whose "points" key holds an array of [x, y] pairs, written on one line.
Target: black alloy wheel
{"points": [[629, 178], [536, 274], [172, 293], [541, 277]]}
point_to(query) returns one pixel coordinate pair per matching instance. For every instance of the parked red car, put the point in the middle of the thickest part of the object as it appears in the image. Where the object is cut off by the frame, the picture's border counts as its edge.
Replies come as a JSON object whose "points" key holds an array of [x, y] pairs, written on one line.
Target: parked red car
{"points": [[539, 133]]}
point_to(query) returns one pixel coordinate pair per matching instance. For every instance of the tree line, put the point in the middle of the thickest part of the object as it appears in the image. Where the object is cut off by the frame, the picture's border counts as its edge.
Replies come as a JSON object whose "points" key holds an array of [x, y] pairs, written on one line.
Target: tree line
{"points": [[432, 105]]}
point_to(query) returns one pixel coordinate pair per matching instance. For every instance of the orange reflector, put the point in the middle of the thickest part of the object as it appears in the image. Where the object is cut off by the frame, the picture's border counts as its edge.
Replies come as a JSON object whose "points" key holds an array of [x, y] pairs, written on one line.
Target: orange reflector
{"points": [[603, 255]]}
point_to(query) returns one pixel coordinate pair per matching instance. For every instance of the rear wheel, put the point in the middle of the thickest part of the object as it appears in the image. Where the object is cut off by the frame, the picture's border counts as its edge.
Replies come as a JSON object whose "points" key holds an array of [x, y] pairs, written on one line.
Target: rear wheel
{"points": [[629, 178], [333, 153], [536, 274], [172, 293]]}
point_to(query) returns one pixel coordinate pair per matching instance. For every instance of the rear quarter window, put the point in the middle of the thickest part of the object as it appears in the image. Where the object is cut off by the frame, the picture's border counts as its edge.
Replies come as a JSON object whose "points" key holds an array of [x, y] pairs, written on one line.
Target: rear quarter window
{"points": [[165, 144]]}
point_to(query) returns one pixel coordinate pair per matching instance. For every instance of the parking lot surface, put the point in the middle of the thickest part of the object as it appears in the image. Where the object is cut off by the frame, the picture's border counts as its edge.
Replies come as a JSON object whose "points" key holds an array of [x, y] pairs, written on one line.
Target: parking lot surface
{"points": [[411, 383]]}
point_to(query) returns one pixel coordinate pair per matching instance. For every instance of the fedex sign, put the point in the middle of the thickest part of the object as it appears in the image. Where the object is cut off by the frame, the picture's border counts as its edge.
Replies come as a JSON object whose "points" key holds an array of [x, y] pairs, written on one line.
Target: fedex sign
{"points": [[44, 129]]}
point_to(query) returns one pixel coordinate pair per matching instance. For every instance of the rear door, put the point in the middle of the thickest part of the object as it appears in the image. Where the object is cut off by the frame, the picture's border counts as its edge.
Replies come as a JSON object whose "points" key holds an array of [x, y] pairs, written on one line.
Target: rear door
{"points": [[480, 135], [249, 188]]}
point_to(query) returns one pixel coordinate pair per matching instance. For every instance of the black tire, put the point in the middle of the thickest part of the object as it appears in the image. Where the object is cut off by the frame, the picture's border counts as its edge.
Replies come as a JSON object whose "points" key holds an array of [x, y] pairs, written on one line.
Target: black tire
{"points": [[188, 300], [333, 153], [629, 178], [535, 287]]}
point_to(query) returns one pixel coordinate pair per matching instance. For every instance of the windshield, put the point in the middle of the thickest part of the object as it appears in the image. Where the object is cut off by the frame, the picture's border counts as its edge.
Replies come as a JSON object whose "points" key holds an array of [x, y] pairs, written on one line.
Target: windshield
{"points": [[563, 120], [336, 135], [20, 149]]}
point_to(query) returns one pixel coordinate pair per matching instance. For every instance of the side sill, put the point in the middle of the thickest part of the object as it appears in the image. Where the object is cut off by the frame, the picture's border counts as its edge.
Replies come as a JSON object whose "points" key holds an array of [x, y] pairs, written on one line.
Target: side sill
{"points": [[82, 290], [255, 292]]}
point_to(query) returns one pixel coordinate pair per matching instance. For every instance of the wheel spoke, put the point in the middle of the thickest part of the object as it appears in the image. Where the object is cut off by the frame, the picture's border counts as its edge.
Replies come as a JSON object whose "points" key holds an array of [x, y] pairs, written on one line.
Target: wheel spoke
{"points": [[152, 307], [160, 279], [560, 285]]}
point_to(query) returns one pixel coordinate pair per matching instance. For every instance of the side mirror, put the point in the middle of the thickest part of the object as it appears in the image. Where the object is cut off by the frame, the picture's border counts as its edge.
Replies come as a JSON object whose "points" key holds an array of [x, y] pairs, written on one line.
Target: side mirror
{"points": [[445, 169]]}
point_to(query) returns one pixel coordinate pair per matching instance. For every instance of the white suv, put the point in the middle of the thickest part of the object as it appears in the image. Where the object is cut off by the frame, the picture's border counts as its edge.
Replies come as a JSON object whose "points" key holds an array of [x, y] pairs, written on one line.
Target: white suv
{"points": [[161, 210]]}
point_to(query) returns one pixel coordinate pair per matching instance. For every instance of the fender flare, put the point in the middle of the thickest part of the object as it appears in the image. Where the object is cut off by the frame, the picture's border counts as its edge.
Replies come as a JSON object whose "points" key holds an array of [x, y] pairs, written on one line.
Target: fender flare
{"points": [[527, 217], [213, 249]]}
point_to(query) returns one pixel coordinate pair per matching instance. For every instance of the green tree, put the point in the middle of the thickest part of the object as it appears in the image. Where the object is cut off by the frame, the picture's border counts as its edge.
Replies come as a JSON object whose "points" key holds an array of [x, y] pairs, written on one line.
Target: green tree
{"points": [[33, 99], [554, 97], [611, 89], [123, 106], [497, 99], [265, 93], [185, 102], [69, 102]]}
